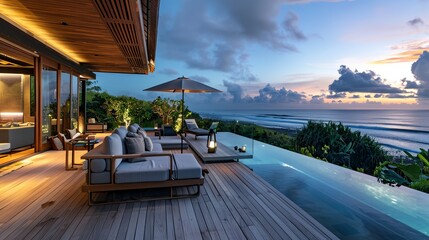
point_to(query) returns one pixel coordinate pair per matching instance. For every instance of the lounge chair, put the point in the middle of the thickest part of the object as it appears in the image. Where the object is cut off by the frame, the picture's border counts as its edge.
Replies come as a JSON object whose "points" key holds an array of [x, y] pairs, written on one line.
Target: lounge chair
{"points": [[192, 128]]}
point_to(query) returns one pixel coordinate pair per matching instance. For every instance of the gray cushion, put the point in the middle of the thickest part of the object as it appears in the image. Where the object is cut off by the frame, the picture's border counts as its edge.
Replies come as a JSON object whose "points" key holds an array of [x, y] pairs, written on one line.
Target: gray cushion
{"points": [[148, 144], [71, 132], [98, 165], [191, 126], [112, 145], [133, 128], [58, 144], [186, 167], [135, 146], [122, 132], [142, 132], [133, 134], [152, 170], [100, 178], [157, 147]]}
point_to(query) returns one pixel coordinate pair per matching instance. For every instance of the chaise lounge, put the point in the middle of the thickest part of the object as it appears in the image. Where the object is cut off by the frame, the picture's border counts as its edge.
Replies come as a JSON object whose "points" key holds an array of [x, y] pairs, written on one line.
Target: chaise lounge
{"points": [[120, 163], [192, 128]]}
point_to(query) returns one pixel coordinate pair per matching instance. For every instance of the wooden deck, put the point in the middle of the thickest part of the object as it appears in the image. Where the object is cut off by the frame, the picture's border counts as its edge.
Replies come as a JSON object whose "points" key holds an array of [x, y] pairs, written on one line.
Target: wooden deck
{"points": [[222, 154], [42, 201]]}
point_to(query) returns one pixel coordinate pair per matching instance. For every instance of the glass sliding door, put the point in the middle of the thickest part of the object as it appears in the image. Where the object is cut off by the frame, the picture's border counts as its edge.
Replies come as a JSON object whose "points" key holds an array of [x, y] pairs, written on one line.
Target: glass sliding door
{"points": [[65, 102], [74, 101], [49, 103]]}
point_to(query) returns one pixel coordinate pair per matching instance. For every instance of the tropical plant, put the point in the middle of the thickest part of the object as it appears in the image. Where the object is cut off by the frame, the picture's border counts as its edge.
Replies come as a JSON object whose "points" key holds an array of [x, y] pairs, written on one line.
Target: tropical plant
{"points": [[167, 109], [345, 147]]}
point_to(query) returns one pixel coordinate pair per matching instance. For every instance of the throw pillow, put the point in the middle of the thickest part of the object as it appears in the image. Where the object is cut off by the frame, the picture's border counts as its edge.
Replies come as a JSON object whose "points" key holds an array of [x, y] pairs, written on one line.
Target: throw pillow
{"points": [[142, 132], [71, 132], [135, 146], [148, 144], [133, 135], [132, 128]]}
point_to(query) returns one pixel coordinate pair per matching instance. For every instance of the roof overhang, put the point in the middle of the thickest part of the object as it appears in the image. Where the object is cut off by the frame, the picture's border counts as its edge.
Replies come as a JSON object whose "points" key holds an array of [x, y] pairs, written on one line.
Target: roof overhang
{"points": [[88, 35]]}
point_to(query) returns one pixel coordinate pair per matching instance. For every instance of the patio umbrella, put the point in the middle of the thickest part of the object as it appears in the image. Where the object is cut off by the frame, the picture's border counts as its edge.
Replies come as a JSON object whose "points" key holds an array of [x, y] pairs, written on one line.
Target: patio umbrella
{"points": [[183, 85]]}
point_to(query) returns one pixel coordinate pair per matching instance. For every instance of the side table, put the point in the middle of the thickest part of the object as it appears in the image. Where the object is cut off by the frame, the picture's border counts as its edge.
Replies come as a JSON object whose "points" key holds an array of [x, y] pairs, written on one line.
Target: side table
{"points": [[84, 141]]}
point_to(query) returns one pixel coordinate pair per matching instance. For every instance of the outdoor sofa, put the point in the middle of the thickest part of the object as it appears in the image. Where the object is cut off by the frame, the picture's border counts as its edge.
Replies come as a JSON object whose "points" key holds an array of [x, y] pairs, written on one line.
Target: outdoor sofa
{"points": [[120, 163]]}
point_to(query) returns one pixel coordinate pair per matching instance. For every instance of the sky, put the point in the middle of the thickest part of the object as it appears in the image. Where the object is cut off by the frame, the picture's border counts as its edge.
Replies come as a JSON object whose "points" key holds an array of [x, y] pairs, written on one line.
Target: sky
{"points": [[285, 54]]}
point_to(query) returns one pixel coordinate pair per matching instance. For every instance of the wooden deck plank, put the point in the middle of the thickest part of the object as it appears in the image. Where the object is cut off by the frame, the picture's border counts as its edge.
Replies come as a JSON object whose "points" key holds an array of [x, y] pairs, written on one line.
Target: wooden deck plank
{"points": [[234, 204]]}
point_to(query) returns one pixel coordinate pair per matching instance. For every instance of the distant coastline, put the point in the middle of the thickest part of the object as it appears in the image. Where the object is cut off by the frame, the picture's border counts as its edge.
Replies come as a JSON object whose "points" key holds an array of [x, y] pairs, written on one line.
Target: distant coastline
{"points": [[395, 130]]}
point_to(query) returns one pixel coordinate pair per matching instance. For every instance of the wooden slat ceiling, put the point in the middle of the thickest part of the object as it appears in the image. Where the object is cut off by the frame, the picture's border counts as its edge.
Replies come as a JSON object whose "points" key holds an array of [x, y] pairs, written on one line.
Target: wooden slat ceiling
{"points": [[102, 35]]}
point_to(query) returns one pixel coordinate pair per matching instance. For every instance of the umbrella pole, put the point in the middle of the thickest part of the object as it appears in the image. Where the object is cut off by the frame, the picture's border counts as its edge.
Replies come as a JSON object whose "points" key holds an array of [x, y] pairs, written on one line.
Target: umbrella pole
{"points": [[183, 121]]}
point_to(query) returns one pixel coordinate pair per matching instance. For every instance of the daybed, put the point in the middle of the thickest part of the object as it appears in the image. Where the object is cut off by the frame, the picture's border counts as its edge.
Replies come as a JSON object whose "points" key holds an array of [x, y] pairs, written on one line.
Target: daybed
{"points": [[119, 163], [192, 128]]}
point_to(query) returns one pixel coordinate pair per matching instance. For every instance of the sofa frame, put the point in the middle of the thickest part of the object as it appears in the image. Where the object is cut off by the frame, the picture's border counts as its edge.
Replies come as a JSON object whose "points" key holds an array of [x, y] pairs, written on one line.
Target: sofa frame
{"points": [[171, 183]]}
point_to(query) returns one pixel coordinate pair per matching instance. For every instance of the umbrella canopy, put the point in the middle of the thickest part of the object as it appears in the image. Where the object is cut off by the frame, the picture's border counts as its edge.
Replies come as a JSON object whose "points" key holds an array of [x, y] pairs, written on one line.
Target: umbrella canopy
{"points": [[183, 85]]}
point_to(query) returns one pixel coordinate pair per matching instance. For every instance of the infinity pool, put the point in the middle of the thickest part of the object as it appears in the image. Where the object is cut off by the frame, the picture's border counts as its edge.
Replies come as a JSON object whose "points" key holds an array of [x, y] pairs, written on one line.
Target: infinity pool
{"points": [[350, 204]]}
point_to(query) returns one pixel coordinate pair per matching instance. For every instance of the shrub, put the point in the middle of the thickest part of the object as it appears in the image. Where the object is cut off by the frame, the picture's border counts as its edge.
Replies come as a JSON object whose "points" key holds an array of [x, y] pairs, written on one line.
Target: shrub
{"points": [[338, 144]]}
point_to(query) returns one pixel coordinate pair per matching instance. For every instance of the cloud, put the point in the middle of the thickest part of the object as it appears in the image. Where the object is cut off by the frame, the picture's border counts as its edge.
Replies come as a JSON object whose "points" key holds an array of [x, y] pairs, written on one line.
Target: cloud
{"points": [[367, 96], [214, 35], [416, 22], [317, 99], [168, 71], [336, 95], [378, 95], [367, 82], [420, 69], [408, 84], [290, 24], [234, 90], [355, 96], [270, 94], [267, 94], [409, 52], [396, 95]]}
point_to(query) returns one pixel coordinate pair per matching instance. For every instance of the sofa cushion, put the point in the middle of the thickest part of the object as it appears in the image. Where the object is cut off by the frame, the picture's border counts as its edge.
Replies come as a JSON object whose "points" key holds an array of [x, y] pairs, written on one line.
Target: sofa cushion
{"points": [[186, 167], [157, 147], [152, 170], [112, 145], [122, 132], [98, 165], [71, 132], [148, 144], [135, 145], [133, 128], [142, 132], [134, 135]]}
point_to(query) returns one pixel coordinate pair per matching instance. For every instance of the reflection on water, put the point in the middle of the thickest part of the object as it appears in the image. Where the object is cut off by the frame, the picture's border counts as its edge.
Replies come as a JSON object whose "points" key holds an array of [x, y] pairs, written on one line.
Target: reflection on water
{"points": [[350, 204]]}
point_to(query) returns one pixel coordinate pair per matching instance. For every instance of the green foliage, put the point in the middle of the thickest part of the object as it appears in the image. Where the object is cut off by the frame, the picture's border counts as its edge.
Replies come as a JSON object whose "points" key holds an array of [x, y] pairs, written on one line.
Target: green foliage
{"points": [[421, 185], [409, 172], [345, 147]]}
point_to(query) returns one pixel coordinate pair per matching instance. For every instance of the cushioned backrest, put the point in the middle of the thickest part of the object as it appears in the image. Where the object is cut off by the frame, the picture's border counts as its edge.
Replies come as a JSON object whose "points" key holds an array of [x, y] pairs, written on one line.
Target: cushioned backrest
{"points": [[71, 132], [113, 145], [191, 123], [133, 128], [122, 132]]}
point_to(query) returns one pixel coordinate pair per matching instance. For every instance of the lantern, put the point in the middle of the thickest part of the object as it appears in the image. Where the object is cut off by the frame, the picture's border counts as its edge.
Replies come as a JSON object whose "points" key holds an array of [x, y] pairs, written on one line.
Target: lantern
{"points": [[211, 141]]}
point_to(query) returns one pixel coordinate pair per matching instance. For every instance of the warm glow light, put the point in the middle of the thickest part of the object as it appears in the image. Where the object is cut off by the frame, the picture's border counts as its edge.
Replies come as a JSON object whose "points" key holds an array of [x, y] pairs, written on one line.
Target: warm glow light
{"points": [[211, 144], [20, 19]]}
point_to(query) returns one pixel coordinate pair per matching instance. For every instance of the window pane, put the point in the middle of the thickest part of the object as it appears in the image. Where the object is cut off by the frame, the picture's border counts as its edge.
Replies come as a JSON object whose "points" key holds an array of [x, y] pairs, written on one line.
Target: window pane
{"points": [[49, 103], [65, 103], [74, 102]]}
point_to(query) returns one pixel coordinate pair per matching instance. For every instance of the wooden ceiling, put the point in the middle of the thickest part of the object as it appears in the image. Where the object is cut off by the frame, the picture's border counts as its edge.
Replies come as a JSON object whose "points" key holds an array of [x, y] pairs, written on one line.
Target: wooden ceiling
{"points": [[100, 35]]}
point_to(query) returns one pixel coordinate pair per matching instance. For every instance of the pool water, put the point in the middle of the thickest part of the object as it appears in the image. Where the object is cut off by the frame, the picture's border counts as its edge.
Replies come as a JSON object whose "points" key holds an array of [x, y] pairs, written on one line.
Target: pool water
{"points": [[350, 204]]}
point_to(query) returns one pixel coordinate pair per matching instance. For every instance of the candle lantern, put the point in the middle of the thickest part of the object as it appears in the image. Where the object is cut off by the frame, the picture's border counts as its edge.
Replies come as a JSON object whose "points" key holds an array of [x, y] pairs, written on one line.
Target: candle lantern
{"points": [[211, 141]]}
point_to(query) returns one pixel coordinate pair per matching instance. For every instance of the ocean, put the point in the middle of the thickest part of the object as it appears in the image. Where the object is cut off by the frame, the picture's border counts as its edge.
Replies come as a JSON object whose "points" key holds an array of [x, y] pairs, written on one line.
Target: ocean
{"points": [[395, 130]]}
